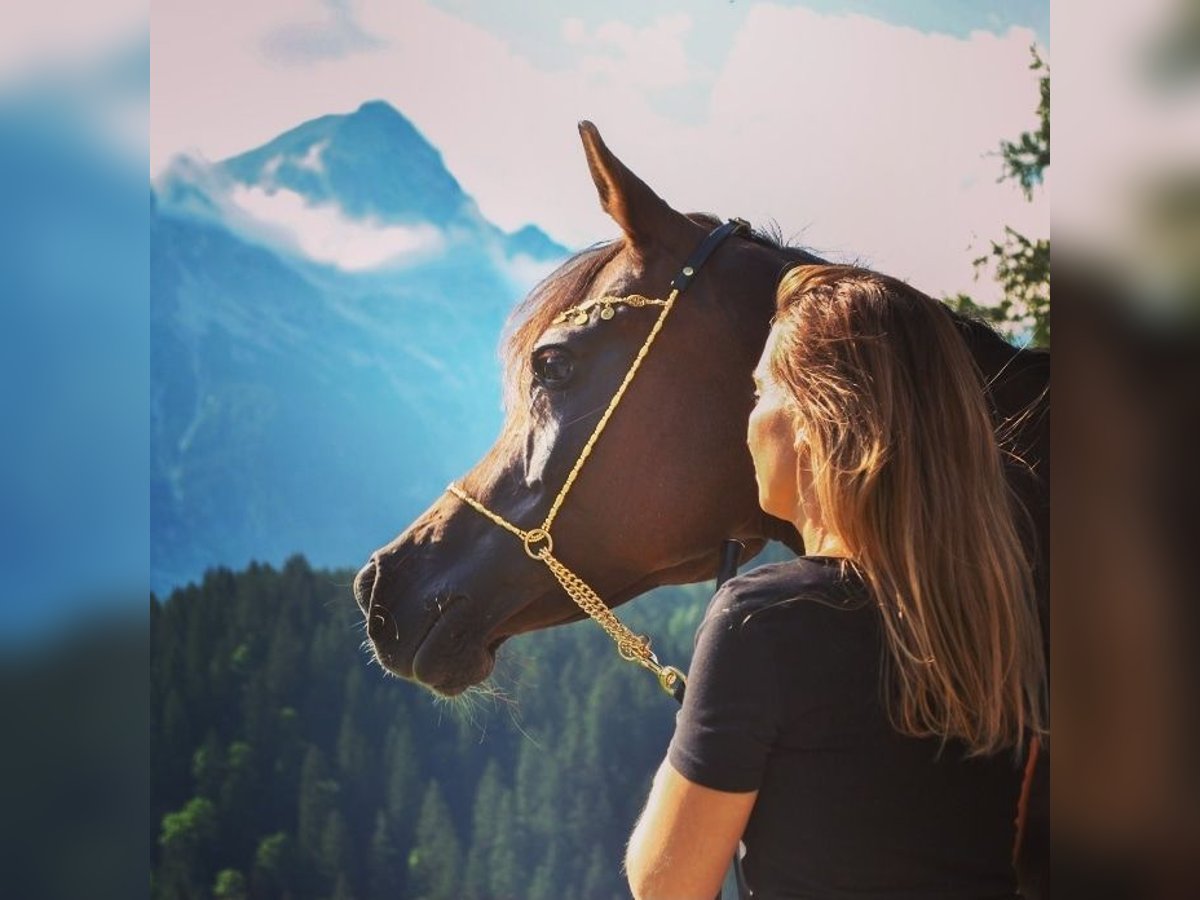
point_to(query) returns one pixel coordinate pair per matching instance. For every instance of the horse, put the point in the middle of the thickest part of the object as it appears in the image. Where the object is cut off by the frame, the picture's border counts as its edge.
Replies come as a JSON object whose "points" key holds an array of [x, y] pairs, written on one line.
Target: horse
{"points": [[671, 478]]}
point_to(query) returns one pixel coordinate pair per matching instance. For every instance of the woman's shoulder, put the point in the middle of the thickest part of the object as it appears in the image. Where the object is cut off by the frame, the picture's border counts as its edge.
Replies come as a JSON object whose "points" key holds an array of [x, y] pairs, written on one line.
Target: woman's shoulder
{"points": [[805, 587]]}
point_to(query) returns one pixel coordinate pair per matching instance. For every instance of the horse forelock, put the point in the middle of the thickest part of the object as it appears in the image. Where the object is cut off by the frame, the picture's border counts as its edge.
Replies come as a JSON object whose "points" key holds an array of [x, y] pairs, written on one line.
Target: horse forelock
{"points": [[561, 289], [567, 286]]}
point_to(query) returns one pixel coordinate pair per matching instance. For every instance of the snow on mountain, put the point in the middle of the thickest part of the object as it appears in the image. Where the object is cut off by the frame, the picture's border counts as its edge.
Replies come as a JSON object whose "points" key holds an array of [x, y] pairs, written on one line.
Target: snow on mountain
{"points": [[324, 316]]}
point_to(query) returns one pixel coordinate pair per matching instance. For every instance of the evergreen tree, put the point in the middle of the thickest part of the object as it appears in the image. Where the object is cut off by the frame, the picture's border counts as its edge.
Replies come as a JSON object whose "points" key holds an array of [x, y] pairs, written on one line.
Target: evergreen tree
{"points": [[316, 801], [506, 873], [484, 829], [403, 784], [603, 878], [208, 767], [230, 885], [550, 877], [260, 712], [356, 770], [187, 838], [535, 795], [172, 748], [342, 891], [241, 797], [276, 867], [333, 857], [433, 862], [331, 787], [385, 876], [352, 753], [290, 749], [283, 672]]}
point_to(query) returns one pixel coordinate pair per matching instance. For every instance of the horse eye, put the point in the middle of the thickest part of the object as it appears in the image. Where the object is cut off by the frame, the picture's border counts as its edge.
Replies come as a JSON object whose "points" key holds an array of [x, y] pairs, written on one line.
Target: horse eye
{"points": [[552, 366]]}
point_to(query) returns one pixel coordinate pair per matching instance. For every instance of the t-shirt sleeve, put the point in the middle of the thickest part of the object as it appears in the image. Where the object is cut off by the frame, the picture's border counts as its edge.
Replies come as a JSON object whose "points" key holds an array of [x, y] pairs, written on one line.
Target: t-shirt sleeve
{"points": [[729, 718]]}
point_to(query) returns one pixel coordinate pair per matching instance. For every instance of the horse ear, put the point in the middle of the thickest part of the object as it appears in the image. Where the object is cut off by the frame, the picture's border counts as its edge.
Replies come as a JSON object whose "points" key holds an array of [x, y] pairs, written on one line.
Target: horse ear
{"points": [[642, 214]]}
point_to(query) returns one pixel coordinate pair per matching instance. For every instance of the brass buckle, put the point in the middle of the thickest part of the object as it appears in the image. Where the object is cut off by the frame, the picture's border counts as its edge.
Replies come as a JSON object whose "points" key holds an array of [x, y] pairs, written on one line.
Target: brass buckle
{"points": [[670, 678]]}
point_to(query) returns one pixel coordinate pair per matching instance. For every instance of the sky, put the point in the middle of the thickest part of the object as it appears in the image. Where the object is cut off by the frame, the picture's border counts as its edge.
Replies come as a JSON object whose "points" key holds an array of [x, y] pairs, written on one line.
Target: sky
{"points": [[866, 130]]}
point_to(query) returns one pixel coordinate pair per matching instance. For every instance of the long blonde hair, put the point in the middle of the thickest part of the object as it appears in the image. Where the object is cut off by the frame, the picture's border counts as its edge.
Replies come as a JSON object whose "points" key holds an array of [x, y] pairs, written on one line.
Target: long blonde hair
{"points": [[906, 471]]}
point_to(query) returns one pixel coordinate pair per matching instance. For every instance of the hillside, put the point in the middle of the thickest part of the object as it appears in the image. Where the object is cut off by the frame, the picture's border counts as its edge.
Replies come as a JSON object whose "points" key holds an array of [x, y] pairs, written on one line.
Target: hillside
{"points": [[284, 766]]}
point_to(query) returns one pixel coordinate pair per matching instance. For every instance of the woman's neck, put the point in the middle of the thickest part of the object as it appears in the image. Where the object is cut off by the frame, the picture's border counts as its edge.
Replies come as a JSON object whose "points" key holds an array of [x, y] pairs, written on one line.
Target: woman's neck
{"points": [[818, 542]]}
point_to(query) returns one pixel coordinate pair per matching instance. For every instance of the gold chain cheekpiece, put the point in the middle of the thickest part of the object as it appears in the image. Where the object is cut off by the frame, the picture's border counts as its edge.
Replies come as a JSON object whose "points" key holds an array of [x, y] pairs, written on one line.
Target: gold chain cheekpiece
{"points": [[537, 541], [632, 647]]}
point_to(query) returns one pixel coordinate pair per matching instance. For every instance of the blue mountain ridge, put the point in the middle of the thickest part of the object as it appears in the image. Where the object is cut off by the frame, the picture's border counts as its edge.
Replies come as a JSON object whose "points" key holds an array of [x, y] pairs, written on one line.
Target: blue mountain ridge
{"points": [[301, 407], [373, 162]]}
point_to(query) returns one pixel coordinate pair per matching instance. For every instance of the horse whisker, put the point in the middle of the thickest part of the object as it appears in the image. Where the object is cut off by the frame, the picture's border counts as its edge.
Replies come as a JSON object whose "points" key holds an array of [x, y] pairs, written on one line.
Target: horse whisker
{"points": [[580, 418]]}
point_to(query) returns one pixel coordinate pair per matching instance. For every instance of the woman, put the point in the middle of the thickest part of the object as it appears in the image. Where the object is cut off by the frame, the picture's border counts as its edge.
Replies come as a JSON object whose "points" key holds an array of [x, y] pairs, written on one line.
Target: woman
{"points": [[860, 714]]}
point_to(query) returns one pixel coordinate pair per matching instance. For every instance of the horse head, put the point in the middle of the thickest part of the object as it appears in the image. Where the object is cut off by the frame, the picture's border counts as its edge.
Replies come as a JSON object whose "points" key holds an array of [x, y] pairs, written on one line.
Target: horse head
{"points": [[667, 481]]}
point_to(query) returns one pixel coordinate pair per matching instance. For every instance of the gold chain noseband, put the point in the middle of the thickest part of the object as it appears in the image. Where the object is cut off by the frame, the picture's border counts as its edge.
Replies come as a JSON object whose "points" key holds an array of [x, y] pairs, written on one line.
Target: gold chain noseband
{"points": [[537, 541]]}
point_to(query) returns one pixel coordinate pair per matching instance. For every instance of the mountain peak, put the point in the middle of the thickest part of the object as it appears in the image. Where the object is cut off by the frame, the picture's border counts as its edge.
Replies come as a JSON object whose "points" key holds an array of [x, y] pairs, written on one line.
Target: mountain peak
{"points": [[534, 243], [372, 163], [380, 119], [379, 108]]}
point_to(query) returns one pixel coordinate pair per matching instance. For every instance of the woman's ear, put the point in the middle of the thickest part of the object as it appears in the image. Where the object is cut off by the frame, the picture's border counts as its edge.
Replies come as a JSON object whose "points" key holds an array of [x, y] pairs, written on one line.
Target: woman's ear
{"points": [[800, 436]]}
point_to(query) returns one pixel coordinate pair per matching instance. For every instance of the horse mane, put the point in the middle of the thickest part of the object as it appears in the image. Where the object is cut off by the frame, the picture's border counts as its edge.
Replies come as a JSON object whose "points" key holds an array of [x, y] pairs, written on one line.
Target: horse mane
{"points": [[996, 356], [569, 283], [978, 332], [560, 290]]}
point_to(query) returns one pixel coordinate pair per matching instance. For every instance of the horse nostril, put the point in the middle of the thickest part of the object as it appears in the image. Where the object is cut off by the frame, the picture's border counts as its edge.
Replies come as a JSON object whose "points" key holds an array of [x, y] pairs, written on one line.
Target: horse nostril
{"points": [[379, 624], [364, 584]]}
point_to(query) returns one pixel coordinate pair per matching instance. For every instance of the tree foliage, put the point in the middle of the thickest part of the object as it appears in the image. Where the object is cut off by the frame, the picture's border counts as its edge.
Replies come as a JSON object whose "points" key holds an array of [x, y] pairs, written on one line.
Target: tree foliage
{"points": [[1020, 264], [230, 885], [287, 766]]}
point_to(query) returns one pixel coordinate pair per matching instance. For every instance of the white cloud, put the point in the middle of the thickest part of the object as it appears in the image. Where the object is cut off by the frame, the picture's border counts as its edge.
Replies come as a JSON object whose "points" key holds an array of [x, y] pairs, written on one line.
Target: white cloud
{"points": [[524, 271], [869, 137], [649, 58], [880, 138], [324, 233], [332, 36], [311, 160], [574, 30]]}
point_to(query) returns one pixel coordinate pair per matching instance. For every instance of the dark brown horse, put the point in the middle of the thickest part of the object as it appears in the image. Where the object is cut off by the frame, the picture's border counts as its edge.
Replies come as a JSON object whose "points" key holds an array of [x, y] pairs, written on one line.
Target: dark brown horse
{"points": [[671, 477]]}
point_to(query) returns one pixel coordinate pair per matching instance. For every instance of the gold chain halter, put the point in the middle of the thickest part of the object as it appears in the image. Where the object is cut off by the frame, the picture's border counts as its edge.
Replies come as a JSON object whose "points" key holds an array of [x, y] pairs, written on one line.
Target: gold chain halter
{"points": [[538, 542]]}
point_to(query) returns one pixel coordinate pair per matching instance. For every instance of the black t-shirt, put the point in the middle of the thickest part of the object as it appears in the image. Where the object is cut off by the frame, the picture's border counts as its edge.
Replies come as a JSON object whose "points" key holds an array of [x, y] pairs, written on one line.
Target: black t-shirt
{"points": [[785, 697]]}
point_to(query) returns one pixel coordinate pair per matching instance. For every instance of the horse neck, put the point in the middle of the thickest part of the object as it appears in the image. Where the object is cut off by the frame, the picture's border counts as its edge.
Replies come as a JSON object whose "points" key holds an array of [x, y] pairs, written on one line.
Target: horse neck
{"points": [[1018, 380], [761, 266]]}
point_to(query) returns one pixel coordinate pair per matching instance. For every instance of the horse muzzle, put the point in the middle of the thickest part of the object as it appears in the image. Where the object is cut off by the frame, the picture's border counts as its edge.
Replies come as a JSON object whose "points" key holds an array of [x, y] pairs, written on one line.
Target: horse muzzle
{"points": [[441, 640]]}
